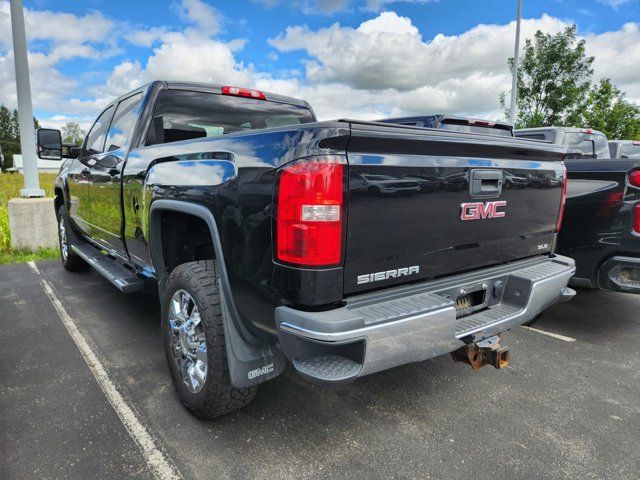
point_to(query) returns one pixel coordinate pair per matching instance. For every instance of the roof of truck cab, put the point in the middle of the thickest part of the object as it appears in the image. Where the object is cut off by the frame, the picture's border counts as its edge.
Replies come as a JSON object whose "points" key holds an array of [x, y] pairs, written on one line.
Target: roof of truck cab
{"points": [[442, 117], [217, 88], [564, 129], [210, 88], [626, 142]]}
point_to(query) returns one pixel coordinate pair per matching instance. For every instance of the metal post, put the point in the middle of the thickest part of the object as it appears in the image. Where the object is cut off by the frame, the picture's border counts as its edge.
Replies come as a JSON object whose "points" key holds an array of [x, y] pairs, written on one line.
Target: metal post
{"points": [[25, 111], [513, 111]]}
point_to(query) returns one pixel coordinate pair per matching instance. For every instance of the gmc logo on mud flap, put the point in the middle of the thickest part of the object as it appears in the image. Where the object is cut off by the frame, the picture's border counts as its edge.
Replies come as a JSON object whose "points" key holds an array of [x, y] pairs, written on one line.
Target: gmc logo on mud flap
{"points": [[258, 372], [482, 211]]}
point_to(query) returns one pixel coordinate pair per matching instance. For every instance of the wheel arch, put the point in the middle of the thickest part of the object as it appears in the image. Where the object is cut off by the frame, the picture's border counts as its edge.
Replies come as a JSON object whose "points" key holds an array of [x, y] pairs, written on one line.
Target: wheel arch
{"points": [[245, 354], [161, 264]]}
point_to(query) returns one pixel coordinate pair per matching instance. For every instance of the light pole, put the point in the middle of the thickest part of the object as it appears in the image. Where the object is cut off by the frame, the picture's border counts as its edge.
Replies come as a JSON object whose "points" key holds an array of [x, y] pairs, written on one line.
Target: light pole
{"points": [[513, 111], [25, 110]]}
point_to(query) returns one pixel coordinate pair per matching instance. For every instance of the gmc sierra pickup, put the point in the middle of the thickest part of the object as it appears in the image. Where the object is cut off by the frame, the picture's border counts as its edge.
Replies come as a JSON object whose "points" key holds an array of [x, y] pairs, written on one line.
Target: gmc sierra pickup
{"points": [[259, 227]]}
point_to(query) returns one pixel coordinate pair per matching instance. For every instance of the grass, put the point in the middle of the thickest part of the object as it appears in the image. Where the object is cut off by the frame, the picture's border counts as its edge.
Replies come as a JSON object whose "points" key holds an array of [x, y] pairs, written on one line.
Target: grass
{"points": [[10, 185]]}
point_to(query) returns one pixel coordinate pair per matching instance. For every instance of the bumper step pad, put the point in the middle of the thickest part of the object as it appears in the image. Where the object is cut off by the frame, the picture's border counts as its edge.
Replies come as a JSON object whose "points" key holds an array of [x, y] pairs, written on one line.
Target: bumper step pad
{"points": [[328, 368]]}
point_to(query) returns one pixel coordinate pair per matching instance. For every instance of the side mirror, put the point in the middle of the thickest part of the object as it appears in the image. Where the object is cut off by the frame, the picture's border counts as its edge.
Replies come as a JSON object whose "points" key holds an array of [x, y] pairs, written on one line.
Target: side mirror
{"points": [[49, 144]]}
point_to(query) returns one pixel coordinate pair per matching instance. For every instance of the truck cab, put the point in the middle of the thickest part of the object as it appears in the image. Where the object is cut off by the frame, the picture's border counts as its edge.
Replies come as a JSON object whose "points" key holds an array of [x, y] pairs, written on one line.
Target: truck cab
{"points": [[455, 124], [579, 142], [624, 149]]}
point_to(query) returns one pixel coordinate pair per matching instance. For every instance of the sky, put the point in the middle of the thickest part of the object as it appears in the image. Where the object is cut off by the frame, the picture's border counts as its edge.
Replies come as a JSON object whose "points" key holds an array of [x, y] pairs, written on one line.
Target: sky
{"points": [[349, 58]]}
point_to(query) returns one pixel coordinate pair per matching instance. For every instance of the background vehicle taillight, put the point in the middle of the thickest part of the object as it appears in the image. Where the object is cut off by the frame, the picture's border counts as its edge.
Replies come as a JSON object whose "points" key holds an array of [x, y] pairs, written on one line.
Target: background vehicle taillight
{"points": [[309, 216], [636, 219], [563, 202], [634, 178]]}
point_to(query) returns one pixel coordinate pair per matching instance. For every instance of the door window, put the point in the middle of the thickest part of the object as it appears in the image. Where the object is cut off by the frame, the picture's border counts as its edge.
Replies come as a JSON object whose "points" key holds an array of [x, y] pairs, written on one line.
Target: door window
{"points": [[123, 122], [97, 134]]}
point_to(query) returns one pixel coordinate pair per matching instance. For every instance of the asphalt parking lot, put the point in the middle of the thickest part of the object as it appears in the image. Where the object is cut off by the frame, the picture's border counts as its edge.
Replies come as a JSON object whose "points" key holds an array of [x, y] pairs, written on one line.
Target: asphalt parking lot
{"points": [[566, 407]]}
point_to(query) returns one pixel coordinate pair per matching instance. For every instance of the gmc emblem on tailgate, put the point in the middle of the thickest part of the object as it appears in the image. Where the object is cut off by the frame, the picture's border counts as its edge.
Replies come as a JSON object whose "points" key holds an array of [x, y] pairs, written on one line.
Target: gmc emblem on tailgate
{"points": [[482, 211]]}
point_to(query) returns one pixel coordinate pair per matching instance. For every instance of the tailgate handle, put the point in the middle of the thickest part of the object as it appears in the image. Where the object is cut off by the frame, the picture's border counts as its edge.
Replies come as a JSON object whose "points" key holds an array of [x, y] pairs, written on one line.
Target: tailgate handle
{"points": [[485, 183]]}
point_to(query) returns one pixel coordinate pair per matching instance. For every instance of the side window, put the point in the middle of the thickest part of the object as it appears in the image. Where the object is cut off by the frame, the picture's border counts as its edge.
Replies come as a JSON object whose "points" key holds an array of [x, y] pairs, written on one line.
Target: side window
{"points": [[97, 134], [123, 122]]}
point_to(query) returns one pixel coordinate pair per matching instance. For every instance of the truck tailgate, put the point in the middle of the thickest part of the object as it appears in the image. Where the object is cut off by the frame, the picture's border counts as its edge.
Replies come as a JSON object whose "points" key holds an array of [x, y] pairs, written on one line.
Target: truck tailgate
{"points": [[426, 204]]}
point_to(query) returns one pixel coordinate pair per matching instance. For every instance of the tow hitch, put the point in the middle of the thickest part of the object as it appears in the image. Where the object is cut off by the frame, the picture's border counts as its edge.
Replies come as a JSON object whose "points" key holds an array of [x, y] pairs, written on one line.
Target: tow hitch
{"points": [[485, 352]]}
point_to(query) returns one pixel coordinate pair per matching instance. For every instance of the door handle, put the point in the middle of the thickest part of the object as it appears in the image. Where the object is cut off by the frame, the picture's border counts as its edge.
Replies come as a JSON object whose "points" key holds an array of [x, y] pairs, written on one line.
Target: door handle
{"points": [[486, 183]]}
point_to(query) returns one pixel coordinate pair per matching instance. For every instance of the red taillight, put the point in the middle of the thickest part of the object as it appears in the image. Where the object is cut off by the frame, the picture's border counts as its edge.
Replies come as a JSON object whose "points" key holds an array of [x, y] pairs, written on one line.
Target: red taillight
{"points": [[243, 92], [310, 202], [563, 202], [634, 178], [636, 219]]}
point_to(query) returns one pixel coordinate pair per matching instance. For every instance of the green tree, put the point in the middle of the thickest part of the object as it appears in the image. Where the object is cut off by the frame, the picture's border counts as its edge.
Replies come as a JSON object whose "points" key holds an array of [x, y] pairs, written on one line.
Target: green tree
{"points": [[72, 133], [10, 134], [608, 111], [7, 137], [553, 80]]}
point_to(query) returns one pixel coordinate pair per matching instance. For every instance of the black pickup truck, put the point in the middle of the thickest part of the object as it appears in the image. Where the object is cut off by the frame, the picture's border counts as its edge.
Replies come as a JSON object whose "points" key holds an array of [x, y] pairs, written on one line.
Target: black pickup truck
{"points": [[258, 226], [601, 228]]}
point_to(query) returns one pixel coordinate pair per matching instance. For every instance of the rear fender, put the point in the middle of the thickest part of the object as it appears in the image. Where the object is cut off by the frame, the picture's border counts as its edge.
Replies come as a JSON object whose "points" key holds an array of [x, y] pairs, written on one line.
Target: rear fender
{"points": [[250, 362]]}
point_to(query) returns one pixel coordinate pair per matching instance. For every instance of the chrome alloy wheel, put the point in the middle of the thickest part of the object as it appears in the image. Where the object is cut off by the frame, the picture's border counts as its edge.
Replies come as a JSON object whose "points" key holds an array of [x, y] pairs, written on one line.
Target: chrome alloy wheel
{"points": [[188, 340], [64, 245]]}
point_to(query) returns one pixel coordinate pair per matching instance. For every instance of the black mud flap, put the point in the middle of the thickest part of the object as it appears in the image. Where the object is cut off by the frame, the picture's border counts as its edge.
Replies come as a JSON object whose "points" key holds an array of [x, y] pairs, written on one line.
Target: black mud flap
{"points": [[249, 363]]}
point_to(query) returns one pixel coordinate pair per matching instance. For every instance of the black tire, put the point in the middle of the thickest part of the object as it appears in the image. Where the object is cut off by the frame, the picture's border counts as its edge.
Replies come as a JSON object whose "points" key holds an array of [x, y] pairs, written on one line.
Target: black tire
{"points": [[71, 261], [217, 396]]}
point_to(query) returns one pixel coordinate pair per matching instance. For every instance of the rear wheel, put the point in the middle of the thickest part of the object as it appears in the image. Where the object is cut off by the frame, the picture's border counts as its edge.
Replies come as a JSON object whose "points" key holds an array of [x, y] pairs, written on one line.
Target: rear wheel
{"points": [[194, 342], [70, 260]]}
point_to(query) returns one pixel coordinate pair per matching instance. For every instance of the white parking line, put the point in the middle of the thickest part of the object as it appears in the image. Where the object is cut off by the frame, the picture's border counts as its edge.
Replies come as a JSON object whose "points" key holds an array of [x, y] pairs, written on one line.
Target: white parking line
{"points": [[160, 465], [557, 336]]}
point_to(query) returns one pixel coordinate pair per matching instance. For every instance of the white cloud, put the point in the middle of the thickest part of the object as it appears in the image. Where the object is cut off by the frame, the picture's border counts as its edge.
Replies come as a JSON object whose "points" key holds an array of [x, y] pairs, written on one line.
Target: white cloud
{"points": [[202, 15], [189, 55], [377, 5], [389, 52], [617, 57], [146, 37], [615, 4], [68, 37], [58, 121], [329, 7], [61, 28], [385, 61], [311, 7]]}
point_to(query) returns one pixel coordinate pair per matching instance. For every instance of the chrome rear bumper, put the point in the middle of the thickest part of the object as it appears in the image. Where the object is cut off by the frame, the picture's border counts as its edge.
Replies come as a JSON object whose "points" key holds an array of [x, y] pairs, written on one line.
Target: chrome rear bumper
{"points": [[381, 330]]}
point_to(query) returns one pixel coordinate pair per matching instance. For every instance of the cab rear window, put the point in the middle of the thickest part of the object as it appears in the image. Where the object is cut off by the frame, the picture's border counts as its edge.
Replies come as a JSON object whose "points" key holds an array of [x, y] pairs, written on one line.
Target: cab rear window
{"points": [[631, 151], [587, 145], [489, 129], [186, 115]]}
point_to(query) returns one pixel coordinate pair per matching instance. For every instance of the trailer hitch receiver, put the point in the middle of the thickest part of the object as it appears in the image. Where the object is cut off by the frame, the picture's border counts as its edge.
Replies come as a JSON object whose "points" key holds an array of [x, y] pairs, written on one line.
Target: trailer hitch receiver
{"points": [[486, 352]]}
